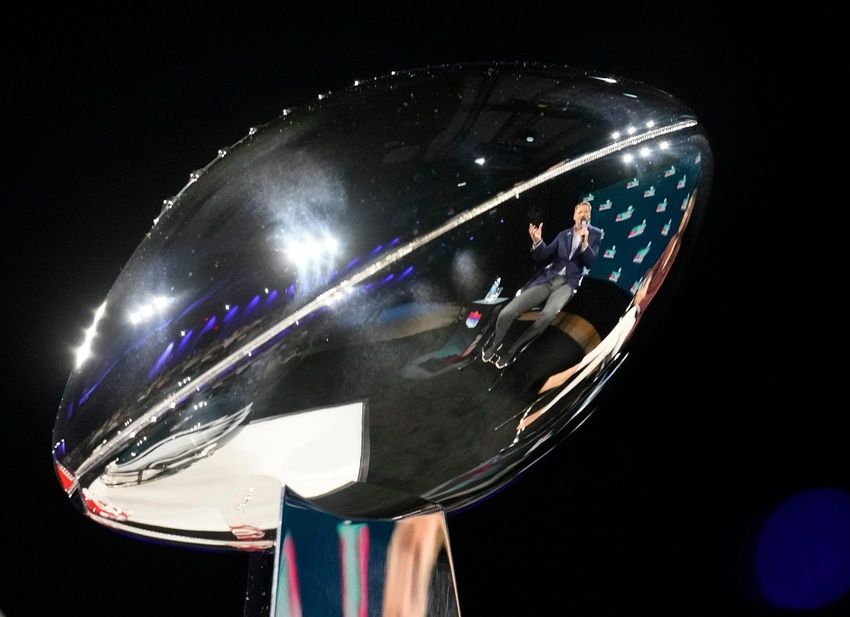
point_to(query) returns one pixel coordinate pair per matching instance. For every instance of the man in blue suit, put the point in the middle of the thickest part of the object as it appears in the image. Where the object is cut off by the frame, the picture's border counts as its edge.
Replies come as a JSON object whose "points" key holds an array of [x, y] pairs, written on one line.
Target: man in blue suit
{"points": [[572, 250]]}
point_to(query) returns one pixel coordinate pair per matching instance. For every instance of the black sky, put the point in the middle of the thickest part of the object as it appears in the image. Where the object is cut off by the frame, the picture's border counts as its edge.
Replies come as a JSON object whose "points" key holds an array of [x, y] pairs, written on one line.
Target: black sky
{"points": [[652, 506]]}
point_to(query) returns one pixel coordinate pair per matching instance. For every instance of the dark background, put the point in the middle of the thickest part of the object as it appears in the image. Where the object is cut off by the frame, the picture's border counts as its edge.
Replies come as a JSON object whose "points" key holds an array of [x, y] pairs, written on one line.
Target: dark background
{"points": [[654, 505]]}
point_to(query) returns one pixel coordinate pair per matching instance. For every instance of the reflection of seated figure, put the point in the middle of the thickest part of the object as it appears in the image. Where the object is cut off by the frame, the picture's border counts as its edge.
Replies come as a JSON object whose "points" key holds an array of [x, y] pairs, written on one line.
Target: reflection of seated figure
{"points": [[568, 254], [615, 339]]}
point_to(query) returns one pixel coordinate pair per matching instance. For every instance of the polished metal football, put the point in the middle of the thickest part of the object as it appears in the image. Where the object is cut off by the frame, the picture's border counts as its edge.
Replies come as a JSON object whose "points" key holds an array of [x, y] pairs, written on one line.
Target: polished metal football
{"points": [[396, 296]]}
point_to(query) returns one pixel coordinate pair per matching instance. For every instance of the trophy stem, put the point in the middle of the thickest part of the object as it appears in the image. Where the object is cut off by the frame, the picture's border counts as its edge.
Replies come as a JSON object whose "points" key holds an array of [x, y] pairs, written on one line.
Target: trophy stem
{"points": [[327, 565]]}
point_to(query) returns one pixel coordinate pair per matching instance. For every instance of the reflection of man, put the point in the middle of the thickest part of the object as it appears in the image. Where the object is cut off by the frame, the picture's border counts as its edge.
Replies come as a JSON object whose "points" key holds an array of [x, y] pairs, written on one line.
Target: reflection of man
{"points": [[611, 344], [572, 250]]}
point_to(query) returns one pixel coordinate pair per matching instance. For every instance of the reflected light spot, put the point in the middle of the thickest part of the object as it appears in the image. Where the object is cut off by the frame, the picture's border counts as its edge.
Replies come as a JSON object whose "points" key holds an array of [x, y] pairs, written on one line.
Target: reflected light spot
{"points": [[664, 145], [148, 309], [83, 352], [161, 361], [803, 550], [480, 160], [186, 337], [331, 245], [231, 314], [650, 124], [209, 326], [252, 304], [306, 251], [628, 158], [615, 135], [645, 152], [631, 130]]}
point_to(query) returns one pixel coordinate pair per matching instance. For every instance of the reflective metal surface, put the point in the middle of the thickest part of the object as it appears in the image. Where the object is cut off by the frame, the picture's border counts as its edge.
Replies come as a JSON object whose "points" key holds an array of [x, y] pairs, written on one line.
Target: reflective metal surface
{"points": [[328, 565], [311, 309]]}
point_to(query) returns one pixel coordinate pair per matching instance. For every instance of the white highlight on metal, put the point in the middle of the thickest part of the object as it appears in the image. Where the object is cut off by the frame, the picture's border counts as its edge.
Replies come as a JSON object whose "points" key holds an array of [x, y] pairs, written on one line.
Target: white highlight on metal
{"points": [[303, 252], [83, 352], [391, 257], [155, 305], [174, 537]]}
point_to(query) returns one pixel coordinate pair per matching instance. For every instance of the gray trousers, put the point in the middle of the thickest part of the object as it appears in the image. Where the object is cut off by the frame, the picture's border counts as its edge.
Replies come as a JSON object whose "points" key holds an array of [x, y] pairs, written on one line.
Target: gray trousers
{"points": [[556, 293]]}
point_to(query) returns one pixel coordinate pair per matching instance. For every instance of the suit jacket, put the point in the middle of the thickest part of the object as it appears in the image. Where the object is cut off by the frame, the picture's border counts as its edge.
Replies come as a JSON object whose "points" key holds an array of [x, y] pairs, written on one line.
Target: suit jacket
{"points": [[558, 253]]}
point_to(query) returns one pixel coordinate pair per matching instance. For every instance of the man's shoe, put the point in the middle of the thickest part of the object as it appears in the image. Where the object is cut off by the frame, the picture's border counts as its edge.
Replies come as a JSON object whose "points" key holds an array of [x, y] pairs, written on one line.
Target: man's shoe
{"points": [[487, 355], [504, 361]]}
